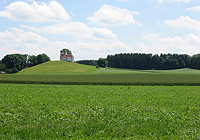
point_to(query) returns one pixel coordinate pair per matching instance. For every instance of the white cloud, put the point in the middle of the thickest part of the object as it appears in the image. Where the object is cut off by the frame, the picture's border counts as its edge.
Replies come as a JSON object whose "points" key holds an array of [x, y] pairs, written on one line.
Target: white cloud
{"points": [[170, 1], [112, 16], [35, 12], [189, 44], [196, 8], [184, 22], [28, 42], [78, 30]]}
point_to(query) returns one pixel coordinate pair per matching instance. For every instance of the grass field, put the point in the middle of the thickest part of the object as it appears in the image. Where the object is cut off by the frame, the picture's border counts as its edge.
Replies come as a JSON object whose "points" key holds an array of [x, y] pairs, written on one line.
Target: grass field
{"points": [[58, 68], [68, 68], [132, 71], [99, 112], [60, 72], [105, 79]]}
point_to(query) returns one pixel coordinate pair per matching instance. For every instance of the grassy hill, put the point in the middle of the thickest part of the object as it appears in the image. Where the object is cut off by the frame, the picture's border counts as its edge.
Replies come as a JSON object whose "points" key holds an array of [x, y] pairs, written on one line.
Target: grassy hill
{"points": [[69, 68], [58, 68], [61, 72]]}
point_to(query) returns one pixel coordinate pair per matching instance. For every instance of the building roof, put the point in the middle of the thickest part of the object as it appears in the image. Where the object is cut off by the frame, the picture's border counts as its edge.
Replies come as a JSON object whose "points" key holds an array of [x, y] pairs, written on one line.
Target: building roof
{"points": [[64, 55]]}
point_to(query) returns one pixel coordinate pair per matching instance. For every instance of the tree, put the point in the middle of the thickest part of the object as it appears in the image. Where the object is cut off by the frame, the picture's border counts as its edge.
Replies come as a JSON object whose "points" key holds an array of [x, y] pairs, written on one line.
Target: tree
{"points": [[195, 61], [66, 51], [32, 60], [2, 66], [17, 61], [87, 62], [102, 62], [41, 58]]}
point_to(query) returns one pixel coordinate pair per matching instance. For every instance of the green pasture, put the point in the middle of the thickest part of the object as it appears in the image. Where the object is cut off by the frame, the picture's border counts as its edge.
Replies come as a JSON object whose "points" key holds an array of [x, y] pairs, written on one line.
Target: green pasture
{"points": [[61, 72], [68, 68], [105, 79], [58, 68], [132, 71], [99, 112]]}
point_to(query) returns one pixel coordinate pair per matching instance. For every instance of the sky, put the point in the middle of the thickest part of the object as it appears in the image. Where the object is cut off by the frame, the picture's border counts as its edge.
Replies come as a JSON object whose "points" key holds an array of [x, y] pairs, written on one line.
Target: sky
{"points": [[96, 28]]}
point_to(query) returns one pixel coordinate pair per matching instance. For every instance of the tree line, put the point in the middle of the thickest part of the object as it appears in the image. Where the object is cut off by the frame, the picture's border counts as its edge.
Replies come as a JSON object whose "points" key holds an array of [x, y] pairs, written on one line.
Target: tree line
{"points": [[153, 62], [144, 61], [87, 62], [12, 63]]}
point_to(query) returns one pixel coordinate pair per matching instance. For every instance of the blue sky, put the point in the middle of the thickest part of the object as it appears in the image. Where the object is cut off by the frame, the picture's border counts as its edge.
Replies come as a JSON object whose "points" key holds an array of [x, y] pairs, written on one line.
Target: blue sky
{"points": [[96, 28]]}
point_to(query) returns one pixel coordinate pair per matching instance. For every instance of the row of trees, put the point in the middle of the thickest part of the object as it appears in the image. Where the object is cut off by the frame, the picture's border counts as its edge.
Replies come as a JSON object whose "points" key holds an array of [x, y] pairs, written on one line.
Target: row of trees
{"points": [[87, 62], [158, 62], [13, 63], [101, 62]]}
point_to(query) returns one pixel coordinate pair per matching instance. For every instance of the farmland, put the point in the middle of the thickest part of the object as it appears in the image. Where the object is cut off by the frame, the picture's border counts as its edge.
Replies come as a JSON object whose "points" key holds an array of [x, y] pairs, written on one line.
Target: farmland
{"points": [[66, 73], [89, 112], [105, 79]]}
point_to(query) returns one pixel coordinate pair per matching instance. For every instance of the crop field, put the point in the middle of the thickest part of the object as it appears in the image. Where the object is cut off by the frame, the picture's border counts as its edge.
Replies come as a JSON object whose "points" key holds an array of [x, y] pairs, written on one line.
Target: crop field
{"points": [[99, 112], [66, 73], [106, 79]]}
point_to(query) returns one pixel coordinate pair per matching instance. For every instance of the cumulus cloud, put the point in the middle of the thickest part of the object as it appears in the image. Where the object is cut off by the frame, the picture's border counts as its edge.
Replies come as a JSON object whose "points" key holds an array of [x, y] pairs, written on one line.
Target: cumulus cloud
{"points": [[112, 16], [78, 30], [170, 1], [18, 40], [35, 12], [196, 8], [189, 44], [184, 22]]}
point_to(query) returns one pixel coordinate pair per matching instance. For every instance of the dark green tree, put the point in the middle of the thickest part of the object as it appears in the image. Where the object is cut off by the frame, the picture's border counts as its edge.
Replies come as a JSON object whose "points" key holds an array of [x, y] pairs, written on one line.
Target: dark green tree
{"points": [[195, 61], [2, 66], [32, 60], [66, 51], [41, 58], [102, 62], [17, 61]]}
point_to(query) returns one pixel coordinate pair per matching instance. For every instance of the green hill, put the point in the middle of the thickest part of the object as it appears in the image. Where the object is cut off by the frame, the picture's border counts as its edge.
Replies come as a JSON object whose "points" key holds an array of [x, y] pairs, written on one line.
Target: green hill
{"points": [[58, 68], [68, 68]]}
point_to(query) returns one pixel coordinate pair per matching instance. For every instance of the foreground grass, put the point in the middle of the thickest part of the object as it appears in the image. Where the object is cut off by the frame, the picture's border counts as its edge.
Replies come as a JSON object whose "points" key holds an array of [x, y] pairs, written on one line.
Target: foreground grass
{"points": [[107, 79], [99, 112]]}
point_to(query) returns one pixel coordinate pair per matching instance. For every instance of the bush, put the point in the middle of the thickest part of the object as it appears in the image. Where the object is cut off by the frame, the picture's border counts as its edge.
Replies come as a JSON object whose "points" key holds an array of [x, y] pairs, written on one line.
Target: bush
{"points": [[14, 70], [102, 62], [8, 71], [97, 66], [2, 67]]}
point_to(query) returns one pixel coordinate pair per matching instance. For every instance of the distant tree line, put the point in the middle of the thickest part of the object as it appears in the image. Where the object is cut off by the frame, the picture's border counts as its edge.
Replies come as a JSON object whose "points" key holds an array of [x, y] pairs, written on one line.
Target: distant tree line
{"points": [[101, 62], [13, 63], [87, 62], [158, 62]]}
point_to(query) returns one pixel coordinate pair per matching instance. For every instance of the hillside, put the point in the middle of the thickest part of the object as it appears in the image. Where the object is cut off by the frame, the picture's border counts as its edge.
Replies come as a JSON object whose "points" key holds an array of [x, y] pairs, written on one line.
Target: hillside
{"points": [[66, 68], [57, 68]]}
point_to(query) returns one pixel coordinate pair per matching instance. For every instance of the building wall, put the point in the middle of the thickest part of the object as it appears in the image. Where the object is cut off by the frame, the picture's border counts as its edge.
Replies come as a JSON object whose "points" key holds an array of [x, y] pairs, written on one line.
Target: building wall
{"points": [[69, 59]]}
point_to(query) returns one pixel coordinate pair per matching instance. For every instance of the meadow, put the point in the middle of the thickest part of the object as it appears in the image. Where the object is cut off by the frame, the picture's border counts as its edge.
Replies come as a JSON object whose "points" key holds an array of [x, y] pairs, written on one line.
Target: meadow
{"points": [[99, 112], [66, 73], [106, 79]]}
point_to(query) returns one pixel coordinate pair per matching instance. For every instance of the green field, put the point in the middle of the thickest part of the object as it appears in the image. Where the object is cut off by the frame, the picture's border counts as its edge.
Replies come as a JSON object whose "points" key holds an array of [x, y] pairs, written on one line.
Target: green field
{"points": [[68, 68], [66, 73], [58, 68], [76, 105], [99, 112], [105, 79]]}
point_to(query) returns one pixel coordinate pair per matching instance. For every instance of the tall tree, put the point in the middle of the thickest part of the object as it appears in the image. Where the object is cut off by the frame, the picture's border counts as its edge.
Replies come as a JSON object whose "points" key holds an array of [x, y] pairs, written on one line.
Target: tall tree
{"points": [[102, 62], [17, 61], [2, 66], [195, 61], [41, 58], [32, 60]]}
